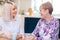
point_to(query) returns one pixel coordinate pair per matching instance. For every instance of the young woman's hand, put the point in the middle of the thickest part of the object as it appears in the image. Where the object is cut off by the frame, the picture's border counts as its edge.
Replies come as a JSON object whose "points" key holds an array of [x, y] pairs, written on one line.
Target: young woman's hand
{"points": [[19, 37], [5, 34]]}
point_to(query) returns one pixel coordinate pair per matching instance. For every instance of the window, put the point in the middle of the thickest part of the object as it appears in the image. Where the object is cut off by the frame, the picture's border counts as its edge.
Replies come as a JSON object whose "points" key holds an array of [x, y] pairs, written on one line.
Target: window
{"points": [[35, 5], [56, 7]]}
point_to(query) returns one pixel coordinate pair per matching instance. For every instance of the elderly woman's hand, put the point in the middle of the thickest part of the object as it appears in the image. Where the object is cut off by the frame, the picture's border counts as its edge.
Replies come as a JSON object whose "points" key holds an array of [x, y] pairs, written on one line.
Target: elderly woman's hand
{"points": [[29, 37]]}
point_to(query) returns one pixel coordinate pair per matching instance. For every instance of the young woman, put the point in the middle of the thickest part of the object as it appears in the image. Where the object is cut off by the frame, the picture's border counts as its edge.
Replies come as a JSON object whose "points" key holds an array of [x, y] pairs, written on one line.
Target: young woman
{"points": [[9, 22]]}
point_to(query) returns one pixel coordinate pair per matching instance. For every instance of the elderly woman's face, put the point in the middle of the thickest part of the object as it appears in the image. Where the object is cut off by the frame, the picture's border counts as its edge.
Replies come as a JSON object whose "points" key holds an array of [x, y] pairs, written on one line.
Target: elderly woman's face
{"points": [[43, 13], [13, 10]]}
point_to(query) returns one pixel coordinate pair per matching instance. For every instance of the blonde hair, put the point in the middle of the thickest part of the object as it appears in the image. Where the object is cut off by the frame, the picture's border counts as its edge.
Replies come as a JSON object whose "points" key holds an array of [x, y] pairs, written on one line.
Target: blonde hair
{"points": [[48, 6], [6, 11]]}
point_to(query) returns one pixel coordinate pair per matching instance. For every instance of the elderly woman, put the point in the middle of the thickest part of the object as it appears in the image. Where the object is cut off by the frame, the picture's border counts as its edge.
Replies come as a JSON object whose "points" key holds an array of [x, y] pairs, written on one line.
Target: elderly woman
{"points": [[9, 22], [47, 27]]}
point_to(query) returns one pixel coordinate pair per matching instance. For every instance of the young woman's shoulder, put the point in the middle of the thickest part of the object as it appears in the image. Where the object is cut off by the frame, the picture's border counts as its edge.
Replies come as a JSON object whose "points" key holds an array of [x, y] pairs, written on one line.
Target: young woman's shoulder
{"points": [[1, 20]]}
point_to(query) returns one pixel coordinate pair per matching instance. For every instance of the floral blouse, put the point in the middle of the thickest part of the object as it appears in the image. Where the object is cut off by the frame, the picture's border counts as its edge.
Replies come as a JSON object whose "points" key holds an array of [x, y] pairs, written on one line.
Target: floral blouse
{"points": [[47, 30]]}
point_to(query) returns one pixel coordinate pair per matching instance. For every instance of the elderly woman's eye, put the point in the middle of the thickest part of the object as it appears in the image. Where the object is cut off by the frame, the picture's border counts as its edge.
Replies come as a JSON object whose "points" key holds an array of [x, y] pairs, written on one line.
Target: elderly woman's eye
{"points": [[40, 10], [14, 9]]}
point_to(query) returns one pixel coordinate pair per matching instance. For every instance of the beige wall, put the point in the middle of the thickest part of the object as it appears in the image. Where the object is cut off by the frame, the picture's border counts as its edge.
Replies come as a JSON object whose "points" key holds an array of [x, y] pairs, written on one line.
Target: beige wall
{"points": [[25, 4], [1, 10]]}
